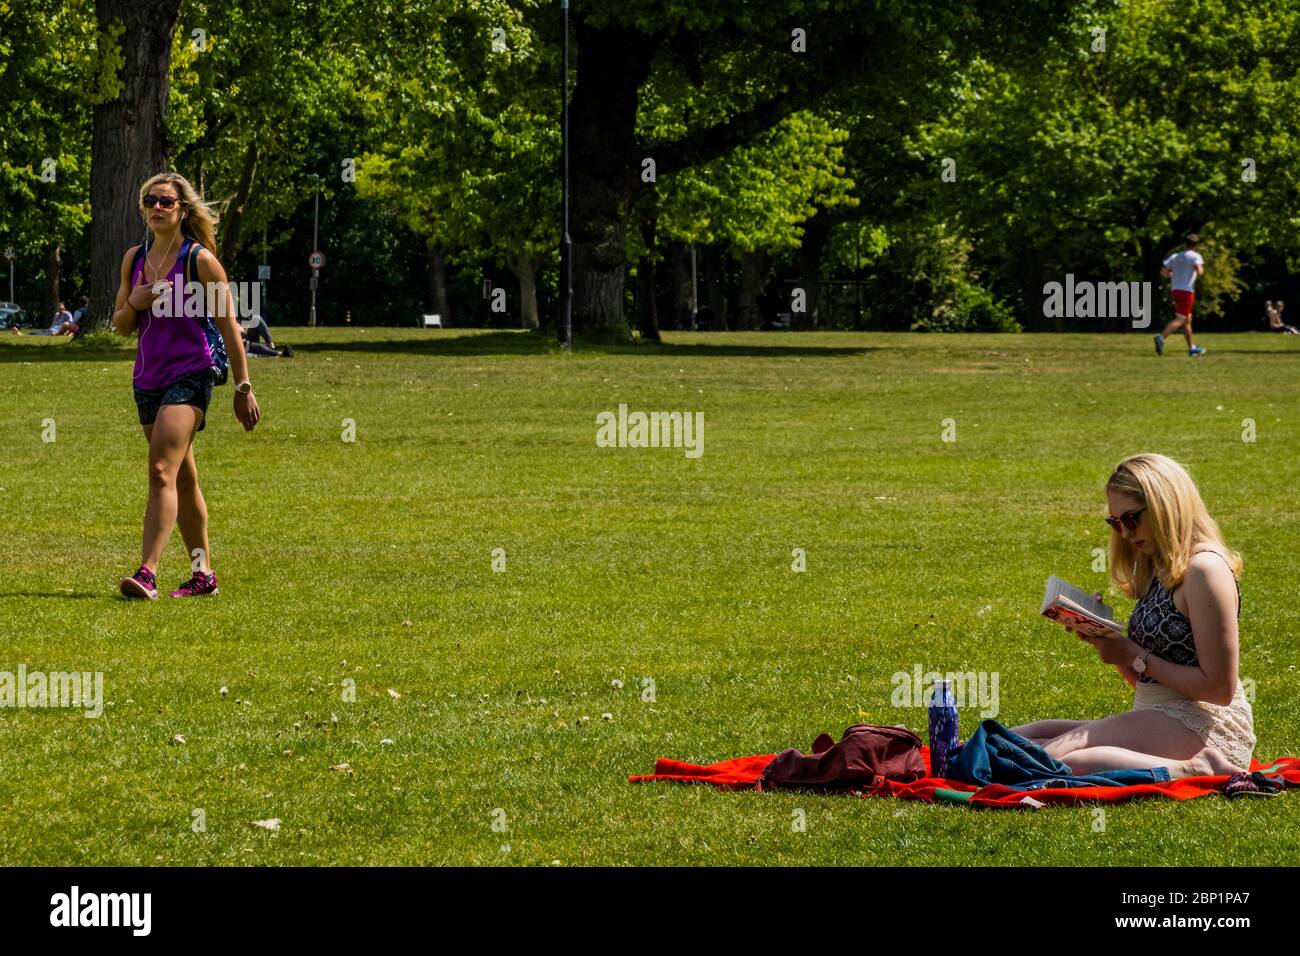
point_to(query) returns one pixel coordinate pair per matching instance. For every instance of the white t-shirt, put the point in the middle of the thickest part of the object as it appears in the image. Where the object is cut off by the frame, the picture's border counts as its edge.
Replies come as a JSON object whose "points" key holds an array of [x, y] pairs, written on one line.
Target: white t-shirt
{"points": [[1183, 267]]}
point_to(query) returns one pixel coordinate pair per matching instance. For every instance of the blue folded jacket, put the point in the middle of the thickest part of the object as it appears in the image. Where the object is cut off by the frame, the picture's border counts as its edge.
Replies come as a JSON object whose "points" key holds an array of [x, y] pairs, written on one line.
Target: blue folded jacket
{"points": [[996, 754]]}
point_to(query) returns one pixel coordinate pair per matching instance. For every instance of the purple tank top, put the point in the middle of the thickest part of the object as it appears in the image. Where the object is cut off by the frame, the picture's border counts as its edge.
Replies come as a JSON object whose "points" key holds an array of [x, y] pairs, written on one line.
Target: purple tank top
{"points": [[172, 345]]}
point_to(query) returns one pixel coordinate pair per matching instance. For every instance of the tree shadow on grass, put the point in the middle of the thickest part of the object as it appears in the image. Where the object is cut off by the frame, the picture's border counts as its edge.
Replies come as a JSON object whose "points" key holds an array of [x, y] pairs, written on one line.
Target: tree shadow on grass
{"points": [[673, 349], [374, 342], [536, 343], [61, 350]]}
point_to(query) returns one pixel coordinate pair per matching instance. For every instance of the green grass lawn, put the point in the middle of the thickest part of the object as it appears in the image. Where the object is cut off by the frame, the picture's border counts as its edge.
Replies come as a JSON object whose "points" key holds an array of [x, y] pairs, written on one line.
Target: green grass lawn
{"points": [[480, 695]]}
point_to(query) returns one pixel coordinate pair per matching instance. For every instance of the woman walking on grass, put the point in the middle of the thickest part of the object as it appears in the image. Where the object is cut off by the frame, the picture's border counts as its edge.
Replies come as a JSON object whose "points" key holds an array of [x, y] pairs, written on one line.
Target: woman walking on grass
{"points": [[1190, 712], [178, 361]]}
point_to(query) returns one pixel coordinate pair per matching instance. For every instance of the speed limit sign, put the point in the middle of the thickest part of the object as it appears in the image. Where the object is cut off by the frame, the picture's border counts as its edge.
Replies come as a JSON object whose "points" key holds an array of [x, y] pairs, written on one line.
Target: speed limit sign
{"points": [[316, 260]]}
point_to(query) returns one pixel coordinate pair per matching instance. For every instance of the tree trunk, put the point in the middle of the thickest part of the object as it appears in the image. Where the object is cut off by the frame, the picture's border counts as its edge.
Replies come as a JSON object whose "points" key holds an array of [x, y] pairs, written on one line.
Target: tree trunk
{"points": [[1151, 264], [755, 268], [715, 286], [233, 220], [647, 317], [816, 234], [1049, 270], [1033, 272], [437, 275], [524, 266], [50, 294], [213, 128], [613, 62], [679, 259], [647, 308], [128, 142]]}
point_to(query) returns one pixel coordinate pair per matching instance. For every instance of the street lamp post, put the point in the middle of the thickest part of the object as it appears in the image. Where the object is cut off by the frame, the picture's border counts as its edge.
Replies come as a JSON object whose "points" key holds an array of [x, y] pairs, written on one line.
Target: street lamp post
{"points": [[315, 244], [9, 254], [264, 274]]}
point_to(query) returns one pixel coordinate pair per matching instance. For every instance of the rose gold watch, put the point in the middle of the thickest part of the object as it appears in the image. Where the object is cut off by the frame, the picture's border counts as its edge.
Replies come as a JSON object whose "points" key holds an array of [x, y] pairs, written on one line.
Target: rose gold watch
{"points": [[1140, 662]]}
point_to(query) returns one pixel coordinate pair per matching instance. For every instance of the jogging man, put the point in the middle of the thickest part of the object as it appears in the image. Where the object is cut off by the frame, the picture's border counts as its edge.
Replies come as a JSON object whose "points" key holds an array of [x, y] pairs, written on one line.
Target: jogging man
{"points": [[1183, 269]]}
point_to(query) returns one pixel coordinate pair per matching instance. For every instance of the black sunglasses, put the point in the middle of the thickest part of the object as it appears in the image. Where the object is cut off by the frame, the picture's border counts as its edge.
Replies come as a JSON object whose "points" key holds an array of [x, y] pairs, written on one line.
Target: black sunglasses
{"points": [[1130, 519], [167, 202]]}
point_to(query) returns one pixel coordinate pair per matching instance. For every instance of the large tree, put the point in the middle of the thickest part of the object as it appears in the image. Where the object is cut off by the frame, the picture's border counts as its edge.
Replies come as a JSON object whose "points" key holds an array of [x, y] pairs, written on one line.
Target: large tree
{"points": [[129, 139], [756, 64]]}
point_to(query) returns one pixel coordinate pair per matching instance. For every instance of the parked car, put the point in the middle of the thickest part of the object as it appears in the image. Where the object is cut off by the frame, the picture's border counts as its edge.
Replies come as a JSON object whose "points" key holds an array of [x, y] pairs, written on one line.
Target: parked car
{"points": [[11, 314]]}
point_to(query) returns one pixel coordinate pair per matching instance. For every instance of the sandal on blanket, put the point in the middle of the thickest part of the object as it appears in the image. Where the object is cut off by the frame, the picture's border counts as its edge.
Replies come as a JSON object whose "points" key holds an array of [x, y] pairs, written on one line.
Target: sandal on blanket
{"points": [[1250, 785]]}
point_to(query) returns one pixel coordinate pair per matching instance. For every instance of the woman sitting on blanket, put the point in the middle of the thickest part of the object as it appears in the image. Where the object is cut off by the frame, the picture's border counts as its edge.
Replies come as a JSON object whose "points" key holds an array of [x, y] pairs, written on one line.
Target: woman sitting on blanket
{"points": [[1190, 712]]}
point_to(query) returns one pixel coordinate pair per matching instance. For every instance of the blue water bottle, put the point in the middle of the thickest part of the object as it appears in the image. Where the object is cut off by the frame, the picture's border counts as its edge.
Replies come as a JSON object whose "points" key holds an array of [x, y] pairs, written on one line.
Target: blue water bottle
{"points": [[943, 727]]}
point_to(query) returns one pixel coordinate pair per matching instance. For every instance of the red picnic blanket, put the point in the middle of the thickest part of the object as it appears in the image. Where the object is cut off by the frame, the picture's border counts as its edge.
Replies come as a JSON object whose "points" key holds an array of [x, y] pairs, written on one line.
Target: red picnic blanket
{"points": [[742, 773]]}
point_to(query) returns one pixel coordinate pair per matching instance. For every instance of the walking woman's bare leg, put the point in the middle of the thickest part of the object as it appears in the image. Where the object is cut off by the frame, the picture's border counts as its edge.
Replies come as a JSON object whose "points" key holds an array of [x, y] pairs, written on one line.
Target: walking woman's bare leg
{"points": [[192, 512], [169, 439]]}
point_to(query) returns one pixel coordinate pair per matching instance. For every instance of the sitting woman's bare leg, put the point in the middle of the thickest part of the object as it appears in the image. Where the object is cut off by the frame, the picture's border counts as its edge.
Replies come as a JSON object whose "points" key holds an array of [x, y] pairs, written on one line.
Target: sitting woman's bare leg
{"points": [[1097, 759], [1047, 729], [1207, 762], [1143, 731], [1138, 740]]}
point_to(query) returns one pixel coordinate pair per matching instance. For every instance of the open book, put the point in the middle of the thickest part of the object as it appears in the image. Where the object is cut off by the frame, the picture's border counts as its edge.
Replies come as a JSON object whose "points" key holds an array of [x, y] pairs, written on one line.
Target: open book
{"points": [[1066, 604]]}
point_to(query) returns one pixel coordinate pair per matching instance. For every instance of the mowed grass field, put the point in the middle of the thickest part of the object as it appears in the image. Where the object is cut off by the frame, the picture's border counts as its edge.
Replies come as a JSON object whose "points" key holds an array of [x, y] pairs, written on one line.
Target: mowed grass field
{"points": [[477, 733]]}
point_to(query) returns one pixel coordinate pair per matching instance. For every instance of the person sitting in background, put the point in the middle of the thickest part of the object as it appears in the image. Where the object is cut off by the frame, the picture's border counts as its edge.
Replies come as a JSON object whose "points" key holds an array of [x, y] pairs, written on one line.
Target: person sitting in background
{"points": [[55, 327], [257, 331], [64, 321], [1275, 323]]}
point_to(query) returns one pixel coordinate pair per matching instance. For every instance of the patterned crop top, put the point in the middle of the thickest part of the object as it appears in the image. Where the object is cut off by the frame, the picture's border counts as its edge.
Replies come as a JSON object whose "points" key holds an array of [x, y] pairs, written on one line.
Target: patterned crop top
{"points": [[1158, 626]]}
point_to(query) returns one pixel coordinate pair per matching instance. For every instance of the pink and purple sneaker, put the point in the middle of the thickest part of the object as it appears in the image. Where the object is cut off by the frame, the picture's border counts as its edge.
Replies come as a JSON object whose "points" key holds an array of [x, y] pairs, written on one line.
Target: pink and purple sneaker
{"points": [[141, 585], [200, 585]]}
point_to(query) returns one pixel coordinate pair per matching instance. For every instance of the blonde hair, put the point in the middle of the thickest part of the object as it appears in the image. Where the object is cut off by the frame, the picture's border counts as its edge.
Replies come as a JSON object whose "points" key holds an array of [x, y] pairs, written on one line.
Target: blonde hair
{"points": [[200, 220], [1177, 522]]}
